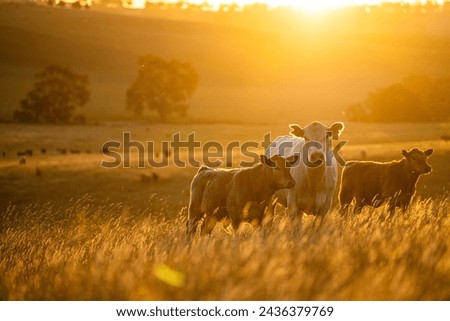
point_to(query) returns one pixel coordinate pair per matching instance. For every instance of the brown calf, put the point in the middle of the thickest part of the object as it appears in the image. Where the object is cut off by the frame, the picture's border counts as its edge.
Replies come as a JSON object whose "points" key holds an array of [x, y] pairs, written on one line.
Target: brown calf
{"points": [[238, 194], [374, 183]]}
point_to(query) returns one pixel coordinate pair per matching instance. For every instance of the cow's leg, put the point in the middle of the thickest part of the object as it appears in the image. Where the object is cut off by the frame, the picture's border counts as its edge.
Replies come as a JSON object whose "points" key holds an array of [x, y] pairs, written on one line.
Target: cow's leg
{"points": [[257, 218], [226, 224], [293, 210], [343, 208], [194, 216], [392, 204], [295, 214], [269, 213], [404, 206], [235, 216], [208, 224], [323, 201], [359, 204], [345, 199], [404, 202], [292, 205]]}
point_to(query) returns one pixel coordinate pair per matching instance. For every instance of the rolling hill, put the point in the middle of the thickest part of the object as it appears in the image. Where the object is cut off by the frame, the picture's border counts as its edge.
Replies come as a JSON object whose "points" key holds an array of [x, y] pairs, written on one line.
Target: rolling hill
{"points": [[294, 69]]}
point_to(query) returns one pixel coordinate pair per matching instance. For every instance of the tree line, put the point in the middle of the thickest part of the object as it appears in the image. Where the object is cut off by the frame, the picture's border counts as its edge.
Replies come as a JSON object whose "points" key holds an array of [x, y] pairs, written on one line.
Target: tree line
{"points": [[414, 99], [161, 87]]}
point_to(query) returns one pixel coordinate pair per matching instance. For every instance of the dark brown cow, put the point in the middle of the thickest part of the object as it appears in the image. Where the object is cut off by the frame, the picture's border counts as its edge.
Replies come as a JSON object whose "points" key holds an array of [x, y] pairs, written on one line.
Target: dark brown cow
{"points": [[374, 183], [237, 194]]}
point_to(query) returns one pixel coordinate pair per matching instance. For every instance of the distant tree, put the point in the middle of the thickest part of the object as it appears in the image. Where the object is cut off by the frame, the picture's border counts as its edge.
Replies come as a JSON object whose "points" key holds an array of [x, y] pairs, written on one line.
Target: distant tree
{"points": [[162, 86], [394, 103], [56, 93], [415, 99], [357, 112], [439, 100]]}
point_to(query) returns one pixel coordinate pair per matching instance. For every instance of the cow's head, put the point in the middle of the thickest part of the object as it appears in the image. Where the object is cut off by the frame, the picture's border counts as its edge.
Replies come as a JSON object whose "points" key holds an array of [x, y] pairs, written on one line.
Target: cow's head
{"points": [[416, 160], [316, 135], [280, 170]]}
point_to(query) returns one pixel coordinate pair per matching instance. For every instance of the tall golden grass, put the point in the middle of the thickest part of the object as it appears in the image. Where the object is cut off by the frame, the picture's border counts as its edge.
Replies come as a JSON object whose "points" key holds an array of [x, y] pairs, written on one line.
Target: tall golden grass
{"points": [[108, 252]]}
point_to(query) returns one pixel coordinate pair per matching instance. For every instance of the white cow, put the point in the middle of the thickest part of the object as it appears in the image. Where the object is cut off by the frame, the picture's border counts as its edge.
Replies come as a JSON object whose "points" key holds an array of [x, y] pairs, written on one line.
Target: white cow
{"points": [[315, 175]]}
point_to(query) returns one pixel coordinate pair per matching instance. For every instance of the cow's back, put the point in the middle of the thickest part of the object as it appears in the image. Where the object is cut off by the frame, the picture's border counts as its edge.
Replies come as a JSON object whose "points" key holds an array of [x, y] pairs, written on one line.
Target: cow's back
{"points": [[213, 186], [285, 146], [209, 189], [364, 179]]}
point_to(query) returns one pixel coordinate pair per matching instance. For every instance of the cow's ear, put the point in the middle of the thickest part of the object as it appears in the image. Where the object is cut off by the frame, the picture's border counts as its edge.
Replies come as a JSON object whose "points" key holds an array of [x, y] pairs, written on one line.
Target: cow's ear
{"points": [[266, 161], [292, 160], [428, 152], [405, 153], [296, 130], [336, 129]]}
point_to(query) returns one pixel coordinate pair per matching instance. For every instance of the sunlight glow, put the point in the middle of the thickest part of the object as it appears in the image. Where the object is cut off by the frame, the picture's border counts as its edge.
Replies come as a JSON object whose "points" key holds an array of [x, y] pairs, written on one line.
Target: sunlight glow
{"points": [[309, 6], [321, 5], [140, 3]]}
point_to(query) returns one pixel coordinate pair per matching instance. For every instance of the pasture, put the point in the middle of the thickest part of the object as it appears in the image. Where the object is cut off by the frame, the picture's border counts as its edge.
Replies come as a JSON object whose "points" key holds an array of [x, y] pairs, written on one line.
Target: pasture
{"points": [[71, 230]]}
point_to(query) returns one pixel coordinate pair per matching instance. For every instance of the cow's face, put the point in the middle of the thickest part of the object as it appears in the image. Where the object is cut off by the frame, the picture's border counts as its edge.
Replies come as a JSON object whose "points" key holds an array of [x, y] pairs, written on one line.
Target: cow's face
{"points": [[316, 134], [280, 170], [417, 160]]}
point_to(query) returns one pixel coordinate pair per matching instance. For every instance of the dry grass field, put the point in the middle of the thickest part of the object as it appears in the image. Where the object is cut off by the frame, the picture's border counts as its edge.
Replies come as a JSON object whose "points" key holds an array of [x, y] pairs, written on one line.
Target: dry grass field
{"points": [[82, 232], [92, 252]]}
